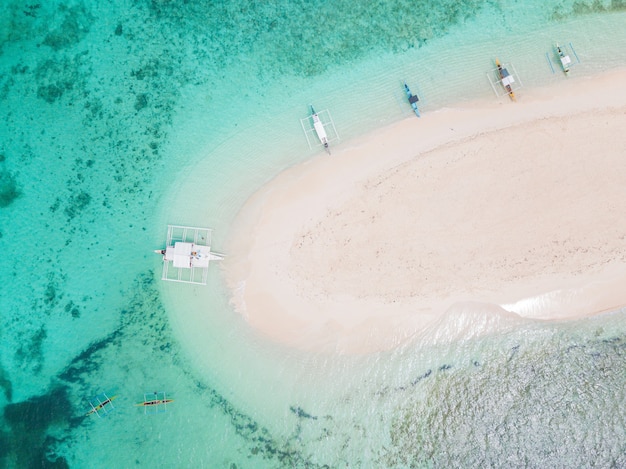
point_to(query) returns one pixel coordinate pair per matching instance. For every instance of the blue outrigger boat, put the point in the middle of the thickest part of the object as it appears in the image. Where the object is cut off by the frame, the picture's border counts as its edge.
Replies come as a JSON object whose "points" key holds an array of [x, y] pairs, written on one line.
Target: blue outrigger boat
{"points": [[413, 99]]}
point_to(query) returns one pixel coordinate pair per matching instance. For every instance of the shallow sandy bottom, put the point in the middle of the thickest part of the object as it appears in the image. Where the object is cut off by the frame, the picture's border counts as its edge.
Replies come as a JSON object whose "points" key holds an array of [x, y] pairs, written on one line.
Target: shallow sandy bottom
{"points": [[464, 221]]}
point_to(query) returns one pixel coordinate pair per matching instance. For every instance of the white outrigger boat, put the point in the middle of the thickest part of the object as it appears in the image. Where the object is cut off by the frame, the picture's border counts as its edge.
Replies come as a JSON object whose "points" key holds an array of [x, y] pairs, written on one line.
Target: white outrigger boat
{"points": [[319, 129], [562, 54], [321, 123], [564, 58], [187, 254]]}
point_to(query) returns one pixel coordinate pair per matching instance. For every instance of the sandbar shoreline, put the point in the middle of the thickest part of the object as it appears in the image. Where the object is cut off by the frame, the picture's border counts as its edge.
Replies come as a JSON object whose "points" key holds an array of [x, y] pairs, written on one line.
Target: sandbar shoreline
{"points": [[494, 213]]}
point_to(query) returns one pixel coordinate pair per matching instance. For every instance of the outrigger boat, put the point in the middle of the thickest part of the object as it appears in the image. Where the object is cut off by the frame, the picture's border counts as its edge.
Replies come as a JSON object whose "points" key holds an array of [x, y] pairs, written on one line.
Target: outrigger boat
{"points": [[413, 99], [155, 402], [101, 405], [564, 58], [321, 124], [187, 254], [319, 129], [506, 79]]}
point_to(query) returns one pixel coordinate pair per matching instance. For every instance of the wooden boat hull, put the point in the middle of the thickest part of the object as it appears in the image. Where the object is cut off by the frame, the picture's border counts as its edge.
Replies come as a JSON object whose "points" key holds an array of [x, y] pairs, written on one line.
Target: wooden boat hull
{"points": [[413, 99], [154, 402], [504, 75], [96, 408]]}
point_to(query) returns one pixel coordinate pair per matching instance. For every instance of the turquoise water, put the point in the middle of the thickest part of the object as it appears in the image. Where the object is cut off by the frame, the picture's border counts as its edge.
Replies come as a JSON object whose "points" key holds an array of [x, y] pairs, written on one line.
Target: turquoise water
{"points": [[120, 119]]}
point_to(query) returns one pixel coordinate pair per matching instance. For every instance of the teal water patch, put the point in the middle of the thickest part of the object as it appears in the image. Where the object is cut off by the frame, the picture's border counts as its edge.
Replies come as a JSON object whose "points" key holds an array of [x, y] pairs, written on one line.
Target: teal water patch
{"points": [[103, 110], [306, 39], [48, 430]]}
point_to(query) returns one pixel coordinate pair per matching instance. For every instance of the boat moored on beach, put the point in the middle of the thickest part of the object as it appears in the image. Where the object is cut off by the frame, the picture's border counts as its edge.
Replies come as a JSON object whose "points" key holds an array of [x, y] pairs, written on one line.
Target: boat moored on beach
{"points": [[319, 129], [564, 58], [506, 79], [413, 99], [321, 124]]}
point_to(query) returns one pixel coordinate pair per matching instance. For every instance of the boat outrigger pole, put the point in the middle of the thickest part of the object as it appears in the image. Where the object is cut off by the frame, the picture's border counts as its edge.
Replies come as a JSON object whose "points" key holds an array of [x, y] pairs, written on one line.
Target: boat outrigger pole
{"points": [[319, 129]]}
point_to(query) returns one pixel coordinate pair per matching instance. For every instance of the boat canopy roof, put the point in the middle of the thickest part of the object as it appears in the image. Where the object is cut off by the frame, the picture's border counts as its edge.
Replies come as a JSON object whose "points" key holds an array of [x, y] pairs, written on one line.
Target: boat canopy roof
{"points": [[187, 254], [413, 99], [508, 80]]}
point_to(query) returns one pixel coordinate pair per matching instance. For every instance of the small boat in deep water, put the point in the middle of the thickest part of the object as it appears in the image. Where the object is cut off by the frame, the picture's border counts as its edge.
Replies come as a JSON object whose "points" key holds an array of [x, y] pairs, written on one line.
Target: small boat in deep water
{"points": [[506, 79], [413, 99], [101, 405], [154, 402]]}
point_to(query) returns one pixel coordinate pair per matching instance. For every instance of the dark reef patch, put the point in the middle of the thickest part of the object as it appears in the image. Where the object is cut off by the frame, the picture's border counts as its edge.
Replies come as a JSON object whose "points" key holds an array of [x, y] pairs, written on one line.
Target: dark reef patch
{"points": [[63, 76], [141, 101], [334, 34], [76, 204], [73, 28], [8, 188], [28, 443], [581, 7], [30, 351], [301, 413], [72, 309], [89, 360], [51, 92], [6, 385]]}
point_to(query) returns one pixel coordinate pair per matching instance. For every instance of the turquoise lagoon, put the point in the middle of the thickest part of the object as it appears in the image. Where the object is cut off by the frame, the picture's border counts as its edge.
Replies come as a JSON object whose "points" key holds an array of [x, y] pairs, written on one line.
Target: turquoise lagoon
{"points": [[120, 119]]}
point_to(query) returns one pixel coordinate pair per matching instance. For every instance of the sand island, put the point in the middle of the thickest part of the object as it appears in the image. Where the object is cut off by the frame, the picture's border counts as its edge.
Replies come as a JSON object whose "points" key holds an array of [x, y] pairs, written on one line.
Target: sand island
{"points": [[485, 215]]}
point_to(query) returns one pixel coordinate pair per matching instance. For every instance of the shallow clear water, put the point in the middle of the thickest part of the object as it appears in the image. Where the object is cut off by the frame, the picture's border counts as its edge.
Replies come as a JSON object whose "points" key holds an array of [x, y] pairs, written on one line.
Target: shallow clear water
{"points": [[120, 119]]}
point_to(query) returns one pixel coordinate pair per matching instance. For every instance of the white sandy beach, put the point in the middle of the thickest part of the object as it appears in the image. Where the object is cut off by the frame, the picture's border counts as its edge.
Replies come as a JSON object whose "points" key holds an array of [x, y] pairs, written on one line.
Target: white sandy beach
{"points": [[475, 217]]}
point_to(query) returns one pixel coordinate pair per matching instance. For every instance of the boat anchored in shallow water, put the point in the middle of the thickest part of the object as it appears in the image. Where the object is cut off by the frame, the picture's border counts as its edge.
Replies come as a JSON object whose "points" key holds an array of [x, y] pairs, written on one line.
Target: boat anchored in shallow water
{"points": [[413, 99], [561, 55], [187, 254], [506, 79], [564, 58], [319, 129], [502, 80], [321, 123]]}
